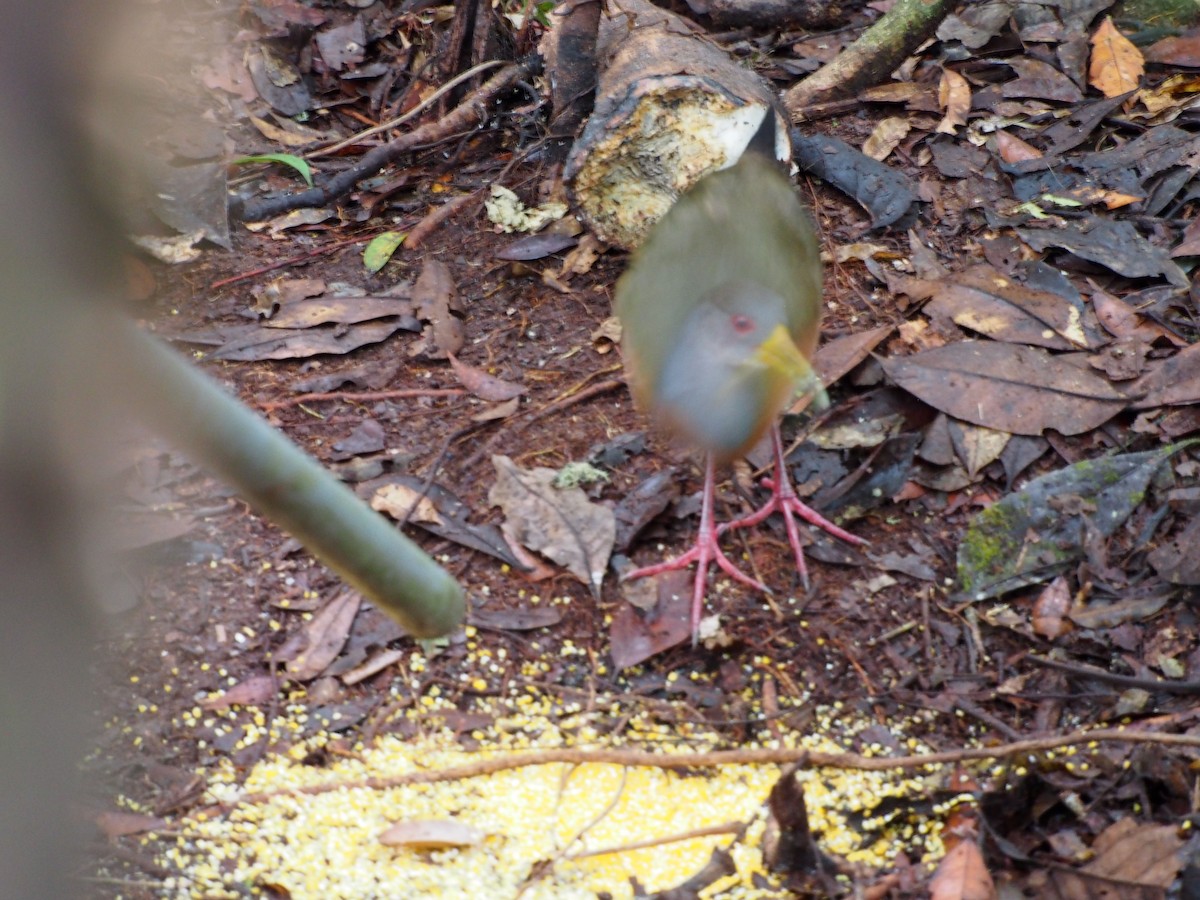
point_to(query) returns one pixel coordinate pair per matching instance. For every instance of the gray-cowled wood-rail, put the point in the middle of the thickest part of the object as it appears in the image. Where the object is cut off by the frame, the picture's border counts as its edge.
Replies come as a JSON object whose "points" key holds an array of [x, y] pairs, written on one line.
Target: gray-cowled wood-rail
{"points": [[720, 311]]}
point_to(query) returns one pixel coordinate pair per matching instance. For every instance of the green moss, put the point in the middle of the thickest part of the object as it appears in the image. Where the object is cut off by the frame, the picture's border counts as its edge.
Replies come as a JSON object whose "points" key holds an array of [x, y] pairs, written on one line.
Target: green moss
{"points": [[987, 544]]}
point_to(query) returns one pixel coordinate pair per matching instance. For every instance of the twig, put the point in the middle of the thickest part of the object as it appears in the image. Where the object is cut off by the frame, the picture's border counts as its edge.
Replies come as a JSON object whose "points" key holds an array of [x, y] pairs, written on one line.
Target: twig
{"points": [[1146, 684], [602, 814], [412, 113], [471, 112], [972, 708], [434, 467], [293, 260], [571, 399], [427, 225], [540, 871], [574, 394], [711, 830], [876, 52], [777, 756], [362, 396]]}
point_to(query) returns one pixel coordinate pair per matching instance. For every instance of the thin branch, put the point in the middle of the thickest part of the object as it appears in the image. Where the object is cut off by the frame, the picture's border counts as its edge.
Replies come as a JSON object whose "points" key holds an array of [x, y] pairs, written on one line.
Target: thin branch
{"points": [[295, 260], [778, 756], [411, 114], [472, 112], [362, 396], [1149, 684], [710, 831]]}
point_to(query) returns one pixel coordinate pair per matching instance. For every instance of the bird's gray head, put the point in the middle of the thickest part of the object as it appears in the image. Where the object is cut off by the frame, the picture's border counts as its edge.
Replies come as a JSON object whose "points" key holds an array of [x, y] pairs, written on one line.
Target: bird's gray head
{"points": [[716, 387]]}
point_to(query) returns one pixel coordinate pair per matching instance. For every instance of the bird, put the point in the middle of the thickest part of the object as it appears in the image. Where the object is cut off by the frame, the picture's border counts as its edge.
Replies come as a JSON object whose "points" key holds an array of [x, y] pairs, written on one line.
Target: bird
{"points": [[720, 309]]}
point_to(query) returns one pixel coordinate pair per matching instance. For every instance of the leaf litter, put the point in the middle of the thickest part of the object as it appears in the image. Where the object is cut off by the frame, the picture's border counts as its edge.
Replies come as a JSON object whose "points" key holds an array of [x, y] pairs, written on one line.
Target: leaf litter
{"points": [[1020, 313]]}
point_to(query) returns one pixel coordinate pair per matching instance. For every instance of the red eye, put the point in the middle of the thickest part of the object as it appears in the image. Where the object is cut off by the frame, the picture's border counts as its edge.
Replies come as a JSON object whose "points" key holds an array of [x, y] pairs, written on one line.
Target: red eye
{"points": [[741, 324]]}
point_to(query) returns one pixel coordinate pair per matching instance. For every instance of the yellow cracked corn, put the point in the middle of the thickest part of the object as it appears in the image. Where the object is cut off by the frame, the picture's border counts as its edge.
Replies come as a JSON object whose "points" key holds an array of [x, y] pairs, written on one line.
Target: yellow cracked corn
{"points": [[326, 845]]}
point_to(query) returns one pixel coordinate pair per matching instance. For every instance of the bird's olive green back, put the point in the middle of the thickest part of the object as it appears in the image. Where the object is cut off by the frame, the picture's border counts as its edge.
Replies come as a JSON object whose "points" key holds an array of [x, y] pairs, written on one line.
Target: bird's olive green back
{"points": [[743, 223]]}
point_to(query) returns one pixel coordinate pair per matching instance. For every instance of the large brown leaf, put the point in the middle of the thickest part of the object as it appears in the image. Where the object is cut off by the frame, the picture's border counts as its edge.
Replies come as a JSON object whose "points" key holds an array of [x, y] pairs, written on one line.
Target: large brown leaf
{"points": [[560, 523], [1172, 381], [990, 303], [1021, 390]]}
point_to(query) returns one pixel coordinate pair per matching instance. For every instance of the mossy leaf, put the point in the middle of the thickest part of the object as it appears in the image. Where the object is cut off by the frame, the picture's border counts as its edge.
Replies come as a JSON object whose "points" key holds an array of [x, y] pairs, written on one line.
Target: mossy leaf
{"points": [[1039, 531]]}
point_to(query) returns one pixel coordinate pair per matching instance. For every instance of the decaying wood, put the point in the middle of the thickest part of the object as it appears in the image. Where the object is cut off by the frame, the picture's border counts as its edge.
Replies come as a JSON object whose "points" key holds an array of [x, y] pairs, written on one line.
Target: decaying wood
{"points": [[569, 49], [773, 15], [671, 107], [476, 35], [871, 58]]}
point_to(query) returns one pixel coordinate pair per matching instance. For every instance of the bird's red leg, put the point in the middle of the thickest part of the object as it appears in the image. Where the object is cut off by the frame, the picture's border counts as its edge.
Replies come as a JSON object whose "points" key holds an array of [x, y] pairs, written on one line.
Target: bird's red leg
{"points": [[784, 500], [706, 550]]}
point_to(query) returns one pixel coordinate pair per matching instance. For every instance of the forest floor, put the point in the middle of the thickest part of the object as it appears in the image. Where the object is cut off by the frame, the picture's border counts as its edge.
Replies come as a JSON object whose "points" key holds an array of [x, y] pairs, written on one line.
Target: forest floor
{"points": [[264, 733]]}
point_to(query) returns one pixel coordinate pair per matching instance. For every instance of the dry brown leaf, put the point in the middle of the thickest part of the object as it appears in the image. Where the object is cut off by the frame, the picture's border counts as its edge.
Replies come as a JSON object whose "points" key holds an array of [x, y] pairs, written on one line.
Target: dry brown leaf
{"points": [[533, 567], [1181, 50], [398, 500], [295, 219], [1171, 381], [886, 136], [282, 291], [253, 342], [581, 259], [1021, 390], [122, 824], [1013, 149], [293, 135], [892, 91], [862, 252], [255, 691], [1117, 65], [1110, 615], [607, 333], [1122, 321], [976, 445], [552, 280], [962, 875], [301, 313], [1131, 859], [635, 637], [988, 302], [436, 299], [483, 385], [1050, 609], [560, 523], [839, 356], [445, 514], [1175, 560], [375, 664], [528, 618], [1037, 78], [1115, 199], [954, 96], [310, 652], [501, 410], [431, 834]]}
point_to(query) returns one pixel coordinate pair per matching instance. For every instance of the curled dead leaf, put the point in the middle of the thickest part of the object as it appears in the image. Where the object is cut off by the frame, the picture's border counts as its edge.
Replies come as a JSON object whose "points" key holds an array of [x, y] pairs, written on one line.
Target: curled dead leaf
{"points": [[483, 385], [431, 834]]}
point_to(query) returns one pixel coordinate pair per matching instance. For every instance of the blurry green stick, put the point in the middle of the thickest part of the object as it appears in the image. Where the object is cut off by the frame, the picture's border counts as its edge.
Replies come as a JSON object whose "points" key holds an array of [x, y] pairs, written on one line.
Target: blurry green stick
{"points": [[285, 484]]}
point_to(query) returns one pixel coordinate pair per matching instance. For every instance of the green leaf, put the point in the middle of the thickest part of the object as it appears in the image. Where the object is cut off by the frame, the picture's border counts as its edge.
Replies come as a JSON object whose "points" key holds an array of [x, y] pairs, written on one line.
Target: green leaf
{"points": [[381, 248], [541, 12], [287, 159], [1040, 531]]}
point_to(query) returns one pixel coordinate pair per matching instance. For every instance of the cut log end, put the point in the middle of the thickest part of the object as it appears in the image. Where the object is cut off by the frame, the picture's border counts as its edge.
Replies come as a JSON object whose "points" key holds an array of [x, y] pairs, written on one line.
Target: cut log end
{"points": [[631, 173]]}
